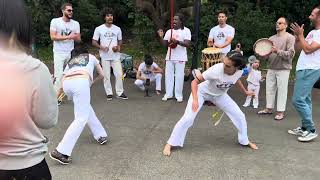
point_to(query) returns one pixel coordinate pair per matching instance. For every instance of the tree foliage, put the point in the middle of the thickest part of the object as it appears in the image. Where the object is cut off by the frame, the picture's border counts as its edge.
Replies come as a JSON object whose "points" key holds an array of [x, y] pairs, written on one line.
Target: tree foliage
{"points": [[139, 19]]}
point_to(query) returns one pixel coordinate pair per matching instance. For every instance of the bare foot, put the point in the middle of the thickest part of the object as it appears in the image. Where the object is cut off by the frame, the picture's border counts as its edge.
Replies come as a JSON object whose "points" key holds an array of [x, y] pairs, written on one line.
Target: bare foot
{"points": [[253, 146], [167, 150]]}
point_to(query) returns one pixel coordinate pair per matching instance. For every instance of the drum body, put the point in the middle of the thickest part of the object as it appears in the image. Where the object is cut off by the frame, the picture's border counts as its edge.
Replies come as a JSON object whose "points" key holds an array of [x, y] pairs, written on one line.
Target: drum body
{"points": [[210, 56]]}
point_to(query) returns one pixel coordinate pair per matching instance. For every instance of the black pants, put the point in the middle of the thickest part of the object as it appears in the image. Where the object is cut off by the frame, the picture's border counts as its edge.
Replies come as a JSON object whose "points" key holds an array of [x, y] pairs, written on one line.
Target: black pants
{"points": [[37, 172]]}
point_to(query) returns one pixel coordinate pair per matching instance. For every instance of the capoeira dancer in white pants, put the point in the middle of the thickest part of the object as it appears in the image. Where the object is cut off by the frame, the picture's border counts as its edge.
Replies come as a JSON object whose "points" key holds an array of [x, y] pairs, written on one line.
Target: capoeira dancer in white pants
{"points": [[212, 86], [149, 70], [77, 79]]}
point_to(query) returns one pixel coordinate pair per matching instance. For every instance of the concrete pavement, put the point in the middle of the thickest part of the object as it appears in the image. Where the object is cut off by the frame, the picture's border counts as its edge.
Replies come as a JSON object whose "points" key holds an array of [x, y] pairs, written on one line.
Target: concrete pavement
{"points": [[139, 127]]}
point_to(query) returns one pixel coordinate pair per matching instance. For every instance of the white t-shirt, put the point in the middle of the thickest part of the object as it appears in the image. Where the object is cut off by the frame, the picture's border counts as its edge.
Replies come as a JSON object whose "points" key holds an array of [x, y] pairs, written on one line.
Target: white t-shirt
{"points": [[147, 72], [109, 37], [220, 35], [216, 81], [310, 61], [254, 77], [180, 52], [64, 29], [85, 62]]}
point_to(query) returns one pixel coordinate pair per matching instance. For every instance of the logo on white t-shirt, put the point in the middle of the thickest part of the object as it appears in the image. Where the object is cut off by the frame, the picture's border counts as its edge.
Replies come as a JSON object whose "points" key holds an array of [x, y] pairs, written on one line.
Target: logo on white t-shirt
{"points": [[66, 32], [220, 35], [225, 85]]}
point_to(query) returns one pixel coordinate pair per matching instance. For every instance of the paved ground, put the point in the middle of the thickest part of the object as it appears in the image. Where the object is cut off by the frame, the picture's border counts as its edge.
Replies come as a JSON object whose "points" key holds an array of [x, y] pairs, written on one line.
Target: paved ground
{"points": [[139, 127]]}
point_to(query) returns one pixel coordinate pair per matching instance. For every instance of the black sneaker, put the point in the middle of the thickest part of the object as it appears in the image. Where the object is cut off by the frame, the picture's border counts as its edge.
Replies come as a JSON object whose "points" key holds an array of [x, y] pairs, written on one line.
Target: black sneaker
{"points": [[59, 102], [123, 96], [109, 97], [102, 140], [61, 158]]}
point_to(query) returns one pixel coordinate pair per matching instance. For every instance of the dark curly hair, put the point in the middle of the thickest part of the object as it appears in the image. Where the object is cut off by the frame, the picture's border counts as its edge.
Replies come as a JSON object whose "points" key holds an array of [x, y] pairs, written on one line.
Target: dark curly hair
{"points": [[237, 58], [106, 11]]}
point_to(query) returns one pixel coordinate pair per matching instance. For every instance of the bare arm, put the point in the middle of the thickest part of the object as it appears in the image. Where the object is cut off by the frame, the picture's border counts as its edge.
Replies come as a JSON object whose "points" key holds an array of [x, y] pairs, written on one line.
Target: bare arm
{"points": [[194, 91], [243, 89], [100, 74], [158, 70], [118, 47], [56, 37], [163, 42], [307, 48], [227, 43], [138, 76], [210, 42], [76, 37], [297, 45], [185, 43], [95, 44]]}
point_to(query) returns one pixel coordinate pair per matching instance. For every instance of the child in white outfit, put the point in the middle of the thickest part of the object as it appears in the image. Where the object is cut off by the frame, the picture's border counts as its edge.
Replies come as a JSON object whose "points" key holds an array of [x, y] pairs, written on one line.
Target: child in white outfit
{"points": [[254, 79]]}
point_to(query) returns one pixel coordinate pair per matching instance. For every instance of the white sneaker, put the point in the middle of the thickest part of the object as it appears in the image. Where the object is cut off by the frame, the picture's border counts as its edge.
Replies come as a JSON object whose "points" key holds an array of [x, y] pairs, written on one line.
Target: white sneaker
{"points": [[179, 100], [307, 136], [246, 105], [297, 131], [255, 107], [165, 98]]}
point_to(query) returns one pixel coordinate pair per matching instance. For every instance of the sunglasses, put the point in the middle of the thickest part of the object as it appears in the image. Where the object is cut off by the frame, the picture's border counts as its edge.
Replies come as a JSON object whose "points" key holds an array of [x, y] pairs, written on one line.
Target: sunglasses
{"points": [[69, 10]]}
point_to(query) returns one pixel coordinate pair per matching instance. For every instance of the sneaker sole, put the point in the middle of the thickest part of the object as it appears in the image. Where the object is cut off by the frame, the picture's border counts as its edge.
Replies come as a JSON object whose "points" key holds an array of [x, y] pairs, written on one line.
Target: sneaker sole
{"points": [[306, 140], [292, 133], [103, 142], [109, 99], [56, 159], [169, 98], [122, 98]]}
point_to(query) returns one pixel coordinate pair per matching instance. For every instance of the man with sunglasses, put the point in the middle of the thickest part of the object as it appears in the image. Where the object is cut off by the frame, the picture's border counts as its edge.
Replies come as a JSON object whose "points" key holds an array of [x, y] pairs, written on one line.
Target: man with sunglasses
{"points": [[279, 66], [64, 31]]}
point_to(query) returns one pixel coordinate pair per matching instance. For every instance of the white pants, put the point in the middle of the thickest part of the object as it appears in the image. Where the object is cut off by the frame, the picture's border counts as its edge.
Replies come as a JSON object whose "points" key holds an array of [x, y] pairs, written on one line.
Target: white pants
{"points": [[117, 71], [277, 82], [79, 90], [58, 61], [225, 103], [255, 89], [174, 73], [157, 78]]}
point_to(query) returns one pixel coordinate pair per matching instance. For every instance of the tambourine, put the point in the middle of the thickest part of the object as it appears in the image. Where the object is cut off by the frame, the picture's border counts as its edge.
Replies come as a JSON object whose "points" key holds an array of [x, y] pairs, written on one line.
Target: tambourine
{"points": [[263, 47]]}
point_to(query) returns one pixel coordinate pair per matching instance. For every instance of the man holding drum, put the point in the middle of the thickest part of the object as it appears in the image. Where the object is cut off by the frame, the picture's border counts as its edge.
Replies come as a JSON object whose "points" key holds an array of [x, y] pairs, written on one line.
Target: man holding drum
{"points": [[221, 35], [279, 66]]}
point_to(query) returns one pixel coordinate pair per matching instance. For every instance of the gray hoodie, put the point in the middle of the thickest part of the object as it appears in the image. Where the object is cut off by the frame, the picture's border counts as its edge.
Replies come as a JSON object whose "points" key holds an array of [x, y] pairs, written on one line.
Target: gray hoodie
{"points": [[28, 103]]}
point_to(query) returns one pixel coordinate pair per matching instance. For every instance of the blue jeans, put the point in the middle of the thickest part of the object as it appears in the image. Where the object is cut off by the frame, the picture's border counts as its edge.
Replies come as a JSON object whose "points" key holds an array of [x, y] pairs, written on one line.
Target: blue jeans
{"points": [[301, 100]]}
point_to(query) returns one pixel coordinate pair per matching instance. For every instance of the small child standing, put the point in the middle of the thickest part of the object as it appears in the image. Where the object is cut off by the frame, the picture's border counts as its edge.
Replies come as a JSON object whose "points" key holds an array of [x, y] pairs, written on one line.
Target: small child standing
{"points": [[149, 71], [254, 79]]}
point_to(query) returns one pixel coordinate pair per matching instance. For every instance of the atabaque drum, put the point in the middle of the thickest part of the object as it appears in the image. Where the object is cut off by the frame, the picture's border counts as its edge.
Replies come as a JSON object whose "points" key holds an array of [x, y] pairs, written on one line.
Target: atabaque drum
{"points": [[210, 56]]}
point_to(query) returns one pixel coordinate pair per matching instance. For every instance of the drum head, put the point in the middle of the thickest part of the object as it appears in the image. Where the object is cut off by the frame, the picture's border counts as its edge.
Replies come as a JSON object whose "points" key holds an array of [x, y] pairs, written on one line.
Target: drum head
{"points": [[263, 47], [211, 50]]}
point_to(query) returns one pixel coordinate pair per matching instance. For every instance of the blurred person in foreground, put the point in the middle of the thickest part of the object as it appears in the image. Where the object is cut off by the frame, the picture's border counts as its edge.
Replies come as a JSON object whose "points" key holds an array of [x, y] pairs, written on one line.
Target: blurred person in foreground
{"points": [[29, 99]]}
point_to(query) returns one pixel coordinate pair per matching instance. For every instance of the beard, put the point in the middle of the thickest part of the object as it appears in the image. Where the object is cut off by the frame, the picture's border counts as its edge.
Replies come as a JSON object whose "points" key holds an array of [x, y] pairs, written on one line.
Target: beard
{"points": [[69, 16]]}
